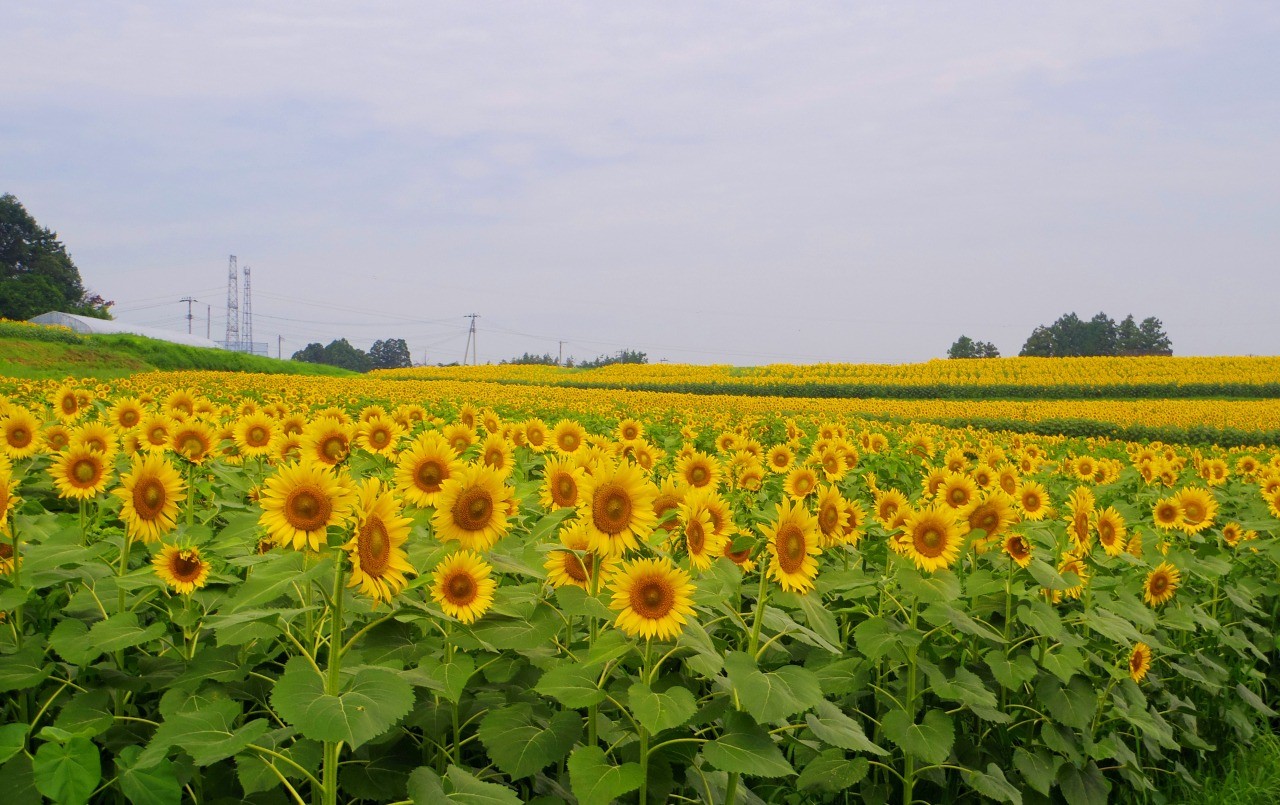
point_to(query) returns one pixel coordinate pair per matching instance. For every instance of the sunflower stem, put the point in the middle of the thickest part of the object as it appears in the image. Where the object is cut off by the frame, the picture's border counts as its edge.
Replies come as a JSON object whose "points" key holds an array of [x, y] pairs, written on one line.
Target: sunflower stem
{"points": [[333, 748], [908, 778]]}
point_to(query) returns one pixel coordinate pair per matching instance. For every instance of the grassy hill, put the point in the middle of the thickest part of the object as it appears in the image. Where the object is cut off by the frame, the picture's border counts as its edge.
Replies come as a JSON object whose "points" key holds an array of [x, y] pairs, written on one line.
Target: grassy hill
{"points": [[33, 351]]}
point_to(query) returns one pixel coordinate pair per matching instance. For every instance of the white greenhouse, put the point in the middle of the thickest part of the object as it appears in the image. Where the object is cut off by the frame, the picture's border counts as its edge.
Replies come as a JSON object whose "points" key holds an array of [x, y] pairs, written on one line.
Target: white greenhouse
{"points": [[91, 326]]}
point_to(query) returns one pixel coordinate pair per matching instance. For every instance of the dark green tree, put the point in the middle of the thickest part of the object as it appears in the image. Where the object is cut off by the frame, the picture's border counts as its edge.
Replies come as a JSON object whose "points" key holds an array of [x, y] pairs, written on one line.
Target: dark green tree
{"points": [[1039, 344], [390, 354], [1152, 338], [1069, 336], [1128, 337], [338, 353], [36, 273], [623, 356], [966, 347], [545, 359]]}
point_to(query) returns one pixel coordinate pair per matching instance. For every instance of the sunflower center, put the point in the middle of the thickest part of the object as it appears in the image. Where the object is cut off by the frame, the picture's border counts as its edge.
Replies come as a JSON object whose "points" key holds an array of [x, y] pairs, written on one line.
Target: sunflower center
{"points": [[473, 509], [930, 540], [379, 438], [374, 546], [129, 418], [698, 475], [1193, 512], [192, 446], [149, 498], [157, 435], [535, 436], [629, 432], [988, 521], [569, 442], [829, 517], [1135, 662], [1159, 584], [257, 436], [308, 509], [1105, 532], [611, 508], [1031, 502], [68, 404], [577, 569], [186, 566], [652, 597], [461, 589], [1018, 547], [695, 538], [428, 476], [19, 437], [565, 490], [791, 545], [85, 471], [494, 458], [959, 497], [334, 448]]}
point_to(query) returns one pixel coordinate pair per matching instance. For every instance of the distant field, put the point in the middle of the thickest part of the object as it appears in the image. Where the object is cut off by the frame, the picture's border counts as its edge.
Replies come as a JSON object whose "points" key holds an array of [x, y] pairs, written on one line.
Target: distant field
{"points": [[33, 352]]}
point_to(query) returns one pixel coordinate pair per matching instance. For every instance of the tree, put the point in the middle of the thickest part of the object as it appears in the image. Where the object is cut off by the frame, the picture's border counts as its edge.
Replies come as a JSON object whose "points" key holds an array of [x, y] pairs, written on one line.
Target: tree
{"points": [[545, 359], [1069, 336], [1128, 337], [1152, 338], [390, 354], [338, 353], [966, 347], [623, 356], [36, 273]]}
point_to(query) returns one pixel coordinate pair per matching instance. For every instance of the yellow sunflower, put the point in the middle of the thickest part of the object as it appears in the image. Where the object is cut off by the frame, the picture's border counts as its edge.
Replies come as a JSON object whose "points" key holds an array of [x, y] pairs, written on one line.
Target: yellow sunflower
{"points": [[855, 522], [891, 508], [653, 598], [1139, 662], [568, 436], [618, 508], [931, 537], [1167, 514], [1033, 500], [459, 436], [254, 433], [472, 508], [193, 441], [151, 492], [156, 430], [536, 434], [1234, 534], [80, 473], [1018, 549], [1161, 584], [378, 560], [562, 481], [299, 503], [992, 514], [422, 469], [794, 543], [698, 470], [833, 515], [8, 499], [327, 441], [66, 403], [1273, 502], [19, 429], [183, 569], [1199, 508], [379, 434], [95, 436], [126, 413], [1074, 564], [701, 541], [1008, 480], [180, 403], [575, 564], [55, 438], [1111, 530], [779, 459], [629, 430], [800, 483], [497, 454], [462, 586], [666, 505]]}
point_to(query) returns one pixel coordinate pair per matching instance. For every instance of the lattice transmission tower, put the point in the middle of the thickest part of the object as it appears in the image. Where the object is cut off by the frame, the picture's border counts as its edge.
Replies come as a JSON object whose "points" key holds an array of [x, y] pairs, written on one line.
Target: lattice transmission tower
{"points": [[233, 306]]}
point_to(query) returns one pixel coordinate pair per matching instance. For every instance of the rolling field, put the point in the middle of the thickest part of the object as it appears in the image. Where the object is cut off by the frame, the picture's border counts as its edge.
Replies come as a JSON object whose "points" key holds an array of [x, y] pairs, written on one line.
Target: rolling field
{"points": [[515, 584]]}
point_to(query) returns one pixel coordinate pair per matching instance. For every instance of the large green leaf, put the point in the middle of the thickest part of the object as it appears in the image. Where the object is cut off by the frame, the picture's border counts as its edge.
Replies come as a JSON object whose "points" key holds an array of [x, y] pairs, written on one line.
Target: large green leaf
{"points": [[157, 785], [283, 574], [993, 784], [747, 749], [520, 634], [17, 781], [1037, 767], [930, 740], [449, 678], [773, 695], [1073, 705], [1012, 671], [87, 714], [202, 725], [831, 771], [369, 703], [661, 711], [572, 685], [596, 781], [520, 746], [427, 788], [1085, 785], [12, 738], [120, 631], [577, 603], [830, 724], [68, 639], [24, 669], [68, 772]]}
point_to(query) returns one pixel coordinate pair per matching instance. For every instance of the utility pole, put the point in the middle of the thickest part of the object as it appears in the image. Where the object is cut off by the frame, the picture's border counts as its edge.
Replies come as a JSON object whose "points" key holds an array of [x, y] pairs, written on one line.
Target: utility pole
{"points": [[560, 360], [280, 347], [188, 300], [208, 322], [471, 341]]}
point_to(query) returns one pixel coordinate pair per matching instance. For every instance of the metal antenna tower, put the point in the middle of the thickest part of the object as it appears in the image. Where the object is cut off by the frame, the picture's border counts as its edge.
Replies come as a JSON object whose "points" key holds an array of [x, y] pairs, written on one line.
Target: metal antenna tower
{"points": [[247, 327], [188, 300], [233, 306], [471, 340]]}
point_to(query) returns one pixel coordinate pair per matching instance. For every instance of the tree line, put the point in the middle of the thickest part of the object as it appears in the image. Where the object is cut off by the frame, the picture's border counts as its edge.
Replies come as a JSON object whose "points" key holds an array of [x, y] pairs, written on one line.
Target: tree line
{"points": [[393, 353], [547, 359], [1072, 337]]}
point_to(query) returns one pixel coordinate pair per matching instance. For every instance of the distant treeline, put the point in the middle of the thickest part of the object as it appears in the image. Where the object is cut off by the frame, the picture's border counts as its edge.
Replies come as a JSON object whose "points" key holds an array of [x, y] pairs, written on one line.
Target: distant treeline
{"points": [[1072, 337]]}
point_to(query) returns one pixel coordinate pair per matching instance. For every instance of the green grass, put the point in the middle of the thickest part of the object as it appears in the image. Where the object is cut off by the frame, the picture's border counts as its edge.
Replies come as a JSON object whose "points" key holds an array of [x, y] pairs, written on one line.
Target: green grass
{"points": [[31, 354], [1246, 775]]}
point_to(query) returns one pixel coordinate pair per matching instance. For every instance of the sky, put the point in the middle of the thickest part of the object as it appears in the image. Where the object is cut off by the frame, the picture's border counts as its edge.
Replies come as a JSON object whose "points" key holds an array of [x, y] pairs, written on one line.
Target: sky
{"points": [[708, 182]]}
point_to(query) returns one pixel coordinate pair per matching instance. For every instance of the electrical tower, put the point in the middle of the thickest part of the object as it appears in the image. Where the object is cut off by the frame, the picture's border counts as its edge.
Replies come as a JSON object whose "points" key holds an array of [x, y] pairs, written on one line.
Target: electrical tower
{"points": [[471, 341], [188, 300], [233, 306], [247, 328]]}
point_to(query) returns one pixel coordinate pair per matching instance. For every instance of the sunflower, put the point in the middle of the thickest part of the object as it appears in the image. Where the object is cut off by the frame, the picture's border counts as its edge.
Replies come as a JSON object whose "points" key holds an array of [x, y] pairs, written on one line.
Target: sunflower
{"points": [[327, 441], [1167, 514], [666, 505], [568, 436], [855, 522], [472, 508], [95, 436], [931, 537], [779, 459], [983, 476], [1080, 510], [422, 469], [286, 447], [750, 477], [833, 515], [698, 470], [1139, 661], [180, 403], [1074, 564], [462, 586], [1161, 584], [653, 598], [1018, 549], [126, 414], [795, 540], [20, 428], [891, 508], [701, 541], [55, 438], [1232, 533], [496, 453], [151, 492], [459, 436], [379, 435], [253, 434], [562, 481], [183, 569], [1273, 502], [629, 430], [832, 462], [378, 560], [156, 430], [1198, 509], [1033, 500], [992, 515], [193, 441], [8, 498], [958, 491], [1111, 531], [800, 483], [299, 503], [66, 403], [618, 508], [933, 481], [575, 565], [535, 435], [80, 473]]}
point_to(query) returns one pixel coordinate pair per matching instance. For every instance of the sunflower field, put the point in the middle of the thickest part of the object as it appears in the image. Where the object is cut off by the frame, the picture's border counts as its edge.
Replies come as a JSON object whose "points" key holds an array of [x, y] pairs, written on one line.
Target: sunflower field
{"points": [[275, 589]]}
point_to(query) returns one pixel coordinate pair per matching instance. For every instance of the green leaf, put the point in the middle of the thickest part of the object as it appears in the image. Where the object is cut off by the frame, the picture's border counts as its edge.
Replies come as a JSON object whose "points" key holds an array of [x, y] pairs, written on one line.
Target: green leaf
{"points": [[87, 714], [547, 524], [25, 669], [118, 632], [157, 785], [1083, 786], [830, 724], [993, 784], [1073, 705], [369, 703], [596, 781], [68, 639], [831, 771], [425, 786], [277, 577], [68, 773], [1037, 769], [929, 740], [203, 725], [774, 695], [17, 781], [1254, 701], [938, 614], [449, 678], [12, 738], [519, 634], [572, 685], [577, 603], [470, 791], [1012, 671], [747, 749], [661, 711], [1046, 576], [519, 746]]}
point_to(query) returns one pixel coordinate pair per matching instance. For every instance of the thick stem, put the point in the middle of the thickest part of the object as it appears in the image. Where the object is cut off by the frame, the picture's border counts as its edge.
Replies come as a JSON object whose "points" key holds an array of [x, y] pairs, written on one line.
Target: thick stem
{"points": [[333, 681]]}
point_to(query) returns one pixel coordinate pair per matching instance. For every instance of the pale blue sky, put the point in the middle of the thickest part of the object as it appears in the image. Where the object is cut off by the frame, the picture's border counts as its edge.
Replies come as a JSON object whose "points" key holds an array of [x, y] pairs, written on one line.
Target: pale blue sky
{"points": [[709, 182]]}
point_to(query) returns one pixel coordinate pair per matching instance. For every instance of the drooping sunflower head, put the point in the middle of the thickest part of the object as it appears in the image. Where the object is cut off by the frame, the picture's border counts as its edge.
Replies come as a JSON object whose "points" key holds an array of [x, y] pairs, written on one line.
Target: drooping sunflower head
{"points": [[1139, 661], [300, 501], [577, 563], [463, 586], [701, 541], [473, 508], [794, 542], [19, 429], [151, 492], [184, 570], [653, 598], [832, 515], [1111, 531], [80, 473], [618, 507], [1161, 584], [376, 549], [992, 515], [562, 481], [1018, 549], [931, 537], [666, 504]]}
